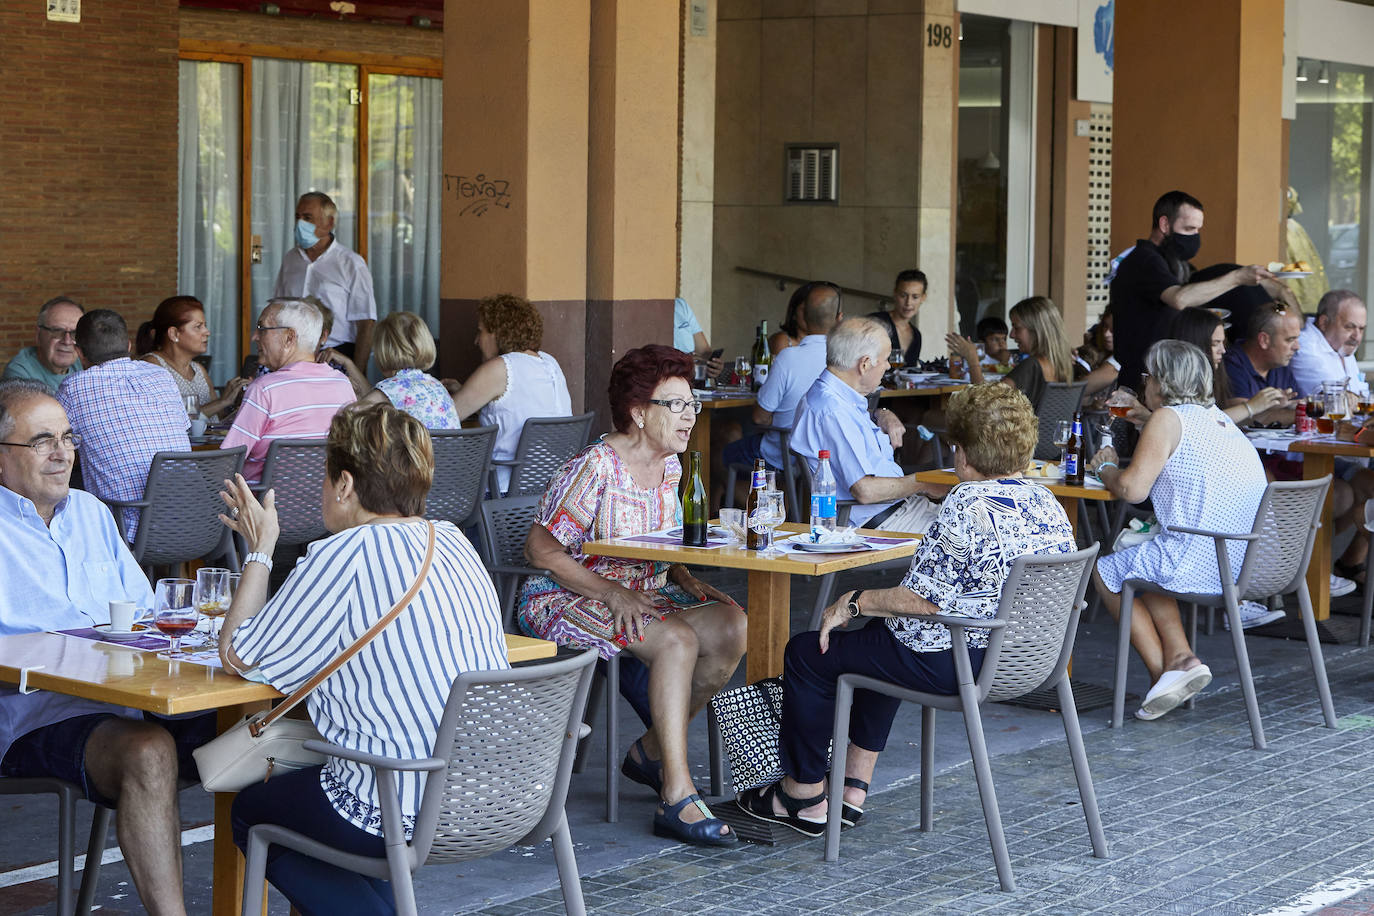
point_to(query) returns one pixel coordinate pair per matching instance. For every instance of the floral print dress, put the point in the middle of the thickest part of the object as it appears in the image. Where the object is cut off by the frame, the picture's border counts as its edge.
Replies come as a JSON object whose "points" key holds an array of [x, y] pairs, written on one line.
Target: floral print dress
{"points": [[422, 396]]}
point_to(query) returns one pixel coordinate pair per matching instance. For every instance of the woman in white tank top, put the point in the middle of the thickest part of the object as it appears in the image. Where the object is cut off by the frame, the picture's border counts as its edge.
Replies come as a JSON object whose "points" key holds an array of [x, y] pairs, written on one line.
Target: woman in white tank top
{"points": [[516, 380]]}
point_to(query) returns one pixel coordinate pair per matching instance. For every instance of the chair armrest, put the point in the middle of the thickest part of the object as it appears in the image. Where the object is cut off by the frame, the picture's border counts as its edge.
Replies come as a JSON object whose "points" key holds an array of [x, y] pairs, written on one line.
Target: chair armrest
{"points": [[504, 462], [954, 620], [127, 503], [372, 760], [1247, 536], [519, 571], [583, 730]]}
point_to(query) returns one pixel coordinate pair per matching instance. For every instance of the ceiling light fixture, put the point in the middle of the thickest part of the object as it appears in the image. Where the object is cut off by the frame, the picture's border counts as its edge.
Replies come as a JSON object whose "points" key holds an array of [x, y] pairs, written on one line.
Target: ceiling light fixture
{"points": [[1302, 72], [1324, 74]]}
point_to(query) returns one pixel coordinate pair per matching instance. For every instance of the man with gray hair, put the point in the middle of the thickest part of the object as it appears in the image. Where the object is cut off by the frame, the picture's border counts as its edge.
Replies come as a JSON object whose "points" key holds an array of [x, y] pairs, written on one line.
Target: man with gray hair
{"points": [[320, 265], [53, 356], [833, 415], [124, 410], [1328, 342], [299, 398], [64, 562]]}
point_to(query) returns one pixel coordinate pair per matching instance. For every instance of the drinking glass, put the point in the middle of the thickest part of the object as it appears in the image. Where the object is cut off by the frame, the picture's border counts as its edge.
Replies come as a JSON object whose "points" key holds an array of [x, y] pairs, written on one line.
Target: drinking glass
{"points": [[897, 358], [732, 520], [213, 596], [192, 406], [1062, 430], [1119, 404], [743, 368], [768, 516], [175, 611]]}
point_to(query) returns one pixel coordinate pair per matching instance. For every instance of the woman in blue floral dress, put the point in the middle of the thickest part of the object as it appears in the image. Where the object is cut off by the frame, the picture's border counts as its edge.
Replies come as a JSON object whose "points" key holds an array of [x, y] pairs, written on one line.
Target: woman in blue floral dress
{"points": [[403, 349], [988, 520]]}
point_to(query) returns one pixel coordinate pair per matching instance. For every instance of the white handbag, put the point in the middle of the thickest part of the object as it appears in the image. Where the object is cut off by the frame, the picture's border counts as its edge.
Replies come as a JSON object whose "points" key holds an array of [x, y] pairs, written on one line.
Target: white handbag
{"points": [[264, 743]]}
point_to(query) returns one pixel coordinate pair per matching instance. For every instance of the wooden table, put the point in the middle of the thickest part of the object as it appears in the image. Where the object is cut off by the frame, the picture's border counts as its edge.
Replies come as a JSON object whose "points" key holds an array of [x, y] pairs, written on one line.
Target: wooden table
{"points": [[770, 583], [114, 674], [1319, 459], [1068, 495]]}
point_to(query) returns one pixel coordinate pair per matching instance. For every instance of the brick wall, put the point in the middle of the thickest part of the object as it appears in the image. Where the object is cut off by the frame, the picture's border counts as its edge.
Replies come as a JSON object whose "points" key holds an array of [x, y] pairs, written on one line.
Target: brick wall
{"points": [[89, 144], [294, 31]]}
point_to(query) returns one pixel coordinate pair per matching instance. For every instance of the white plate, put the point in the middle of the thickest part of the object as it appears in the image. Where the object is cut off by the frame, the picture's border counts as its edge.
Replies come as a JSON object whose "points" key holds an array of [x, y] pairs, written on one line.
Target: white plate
{"points": [[139, 630], [798, 546], [1292, 274]]}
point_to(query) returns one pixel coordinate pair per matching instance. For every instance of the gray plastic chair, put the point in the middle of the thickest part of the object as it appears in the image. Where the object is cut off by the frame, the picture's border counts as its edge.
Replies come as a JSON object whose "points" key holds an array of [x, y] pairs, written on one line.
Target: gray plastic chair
{"points": [[1276, 563], [503, 760], [1059, 401], [68, 794], [461, 460], [505, 525], [1367, 609], [789, 478], [546, 444], [1030, 643], [178, 517], [295, 469]]}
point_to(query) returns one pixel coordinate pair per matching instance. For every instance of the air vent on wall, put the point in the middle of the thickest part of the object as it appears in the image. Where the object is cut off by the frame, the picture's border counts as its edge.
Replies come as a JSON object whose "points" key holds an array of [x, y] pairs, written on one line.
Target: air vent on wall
{"points": [[812, 174]]}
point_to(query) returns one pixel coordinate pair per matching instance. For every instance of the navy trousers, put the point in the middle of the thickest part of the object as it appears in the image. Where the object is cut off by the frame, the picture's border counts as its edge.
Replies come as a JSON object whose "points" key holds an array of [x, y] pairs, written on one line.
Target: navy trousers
{"points": [[808, 694]]}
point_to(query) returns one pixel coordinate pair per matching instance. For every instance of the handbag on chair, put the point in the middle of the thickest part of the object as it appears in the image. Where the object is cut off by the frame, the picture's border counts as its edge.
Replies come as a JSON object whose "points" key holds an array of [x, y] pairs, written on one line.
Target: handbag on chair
{"points": [[265, 743], [750, 720]]}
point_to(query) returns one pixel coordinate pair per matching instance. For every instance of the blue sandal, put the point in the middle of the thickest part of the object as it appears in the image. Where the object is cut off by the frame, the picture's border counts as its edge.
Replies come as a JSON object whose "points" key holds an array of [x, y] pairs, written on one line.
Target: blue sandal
{"points": [[709, 832], [644, 771]]}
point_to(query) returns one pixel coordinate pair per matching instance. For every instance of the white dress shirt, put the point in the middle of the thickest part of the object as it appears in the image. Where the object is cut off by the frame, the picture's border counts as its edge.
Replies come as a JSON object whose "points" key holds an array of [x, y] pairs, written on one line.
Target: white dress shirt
{"points": [[339, 278], [1316, 362]]}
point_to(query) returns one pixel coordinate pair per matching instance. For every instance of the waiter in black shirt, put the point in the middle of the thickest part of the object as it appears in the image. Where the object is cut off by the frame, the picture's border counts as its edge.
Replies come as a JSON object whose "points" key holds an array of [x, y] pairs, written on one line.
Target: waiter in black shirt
{"points": [[1151, 284]]}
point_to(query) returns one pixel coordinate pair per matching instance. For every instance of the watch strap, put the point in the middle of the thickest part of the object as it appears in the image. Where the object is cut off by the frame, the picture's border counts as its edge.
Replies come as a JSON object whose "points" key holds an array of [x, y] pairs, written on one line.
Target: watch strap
{"points": [[853, 604], [258, 557]]}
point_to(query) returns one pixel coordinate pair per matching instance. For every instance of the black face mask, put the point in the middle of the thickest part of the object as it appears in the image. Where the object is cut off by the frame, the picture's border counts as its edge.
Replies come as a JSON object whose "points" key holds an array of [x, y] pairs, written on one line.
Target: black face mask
{"points": [[1185, 246]]}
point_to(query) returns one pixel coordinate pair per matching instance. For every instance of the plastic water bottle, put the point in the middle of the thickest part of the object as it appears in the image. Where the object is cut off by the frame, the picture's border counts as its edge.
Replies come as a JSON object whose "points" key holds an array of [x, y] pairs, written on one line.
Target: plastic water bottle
{"points": [[823, 498]]}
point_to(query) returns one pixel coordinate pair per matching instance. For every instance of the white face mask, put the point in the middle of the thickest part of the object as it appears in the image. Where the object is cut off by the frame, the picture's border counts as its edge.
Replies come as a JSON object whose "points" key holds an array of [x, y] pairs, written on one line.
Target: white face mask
{"points": [[305, 234]]}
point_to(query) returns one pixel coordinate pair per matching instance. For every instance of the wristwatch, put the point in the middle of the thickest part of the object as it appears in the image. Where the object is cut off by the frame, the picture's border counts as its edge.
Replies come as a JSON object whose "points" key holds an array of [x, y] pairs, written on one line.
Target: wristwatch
{"points": [[853, 604], [257, 557]]}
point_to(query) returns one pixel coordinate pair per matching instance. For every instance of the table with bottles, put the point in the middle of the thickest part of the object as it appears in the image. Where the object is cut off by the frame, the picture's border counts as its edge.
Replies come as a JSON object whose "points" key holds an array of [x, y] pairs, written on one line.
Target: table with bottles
{"points": [[769, 599]]}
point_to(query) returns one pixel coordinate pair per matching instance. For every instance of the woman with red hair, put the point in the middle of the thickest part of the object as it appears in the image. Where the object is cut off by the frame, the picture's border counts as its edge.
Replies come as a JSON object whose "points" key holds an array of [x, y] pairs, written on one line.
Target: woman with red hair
{"points": [[626, 484], [173, 339]]}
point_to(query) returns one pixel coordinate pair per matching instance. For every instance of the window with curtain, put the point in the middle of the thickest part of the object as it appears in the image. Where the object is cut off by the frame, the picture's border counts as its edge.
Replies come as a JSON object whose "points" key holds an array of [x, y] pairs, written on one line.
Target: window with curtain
{"points": [[403, 136], [208, 203], [305, 138]]}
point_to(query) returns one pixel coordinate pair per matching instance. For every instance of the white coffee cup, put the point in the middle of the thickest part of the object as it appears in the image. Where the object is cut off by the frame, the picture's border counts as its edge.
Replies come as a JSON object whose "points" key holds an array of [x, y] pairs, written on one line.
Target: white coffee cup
{"points": [[122, 616], [198, 426]]}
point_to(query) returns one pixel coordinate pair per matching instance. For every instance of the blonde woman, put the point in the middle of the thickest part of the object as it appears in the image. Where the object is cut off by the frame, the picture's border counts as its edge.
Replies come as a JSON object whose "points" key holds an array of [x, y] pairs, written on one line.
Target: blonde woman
{"points": [[403, 349], [1039, 332]]}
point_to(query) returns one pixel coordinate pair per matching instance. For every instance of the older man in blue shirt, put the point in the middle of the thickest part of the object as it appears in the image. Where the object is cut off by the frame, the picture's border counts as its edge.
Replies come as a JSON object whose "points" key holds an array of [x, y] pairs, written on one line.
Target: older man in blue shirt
{"points": [[64, 562], [834, 415]]}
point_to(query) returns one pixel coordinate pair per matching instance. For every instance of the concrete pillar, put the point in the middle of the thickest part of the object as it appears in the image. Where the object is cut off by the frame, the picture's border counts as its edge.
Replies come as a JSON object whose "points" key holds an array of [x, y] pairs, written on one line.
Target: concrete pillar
{"points": [[632, 178], [515, 172], [1197, 105]]}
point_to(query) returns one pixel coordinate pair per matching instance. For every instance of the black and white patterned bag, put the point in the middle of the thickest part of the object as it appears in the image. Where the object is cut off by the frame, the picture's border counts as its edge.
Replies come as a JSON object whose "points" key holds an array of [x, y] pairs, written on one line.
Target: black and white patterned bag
{"points": [[750, 719]]}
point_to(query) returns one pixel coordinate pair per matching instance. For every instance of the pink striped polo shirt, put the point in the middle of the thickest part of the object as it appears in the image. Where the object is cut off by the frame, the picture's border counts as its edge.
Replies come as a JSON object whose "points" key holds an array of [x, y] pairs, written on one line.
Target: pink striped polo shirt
{"points": [[295, 402]]}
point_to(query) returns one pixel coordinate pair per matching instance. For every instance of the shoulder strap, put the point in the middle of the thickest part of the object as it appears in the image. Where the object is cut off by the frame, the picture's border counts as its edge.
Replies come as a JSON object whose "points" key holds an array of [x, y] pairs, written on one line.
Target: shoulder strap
{"points": [[323, 674]]}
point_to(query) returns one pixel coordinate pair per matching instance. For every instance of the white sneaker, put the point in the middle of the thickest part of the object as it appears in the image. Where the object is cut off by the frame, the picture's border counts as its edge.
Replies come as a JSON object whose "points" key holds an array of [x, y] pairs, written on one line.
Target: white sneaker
{"points": [[1341, 586], [1252, 614], [1173, 688]]}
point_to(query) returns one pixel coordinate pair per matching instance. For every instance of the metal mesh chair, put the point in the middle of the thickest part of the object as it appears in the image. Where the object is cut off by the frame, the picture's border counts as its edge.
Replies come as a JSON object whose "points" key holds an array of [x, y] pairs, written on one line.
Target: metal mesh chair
{"points": [[1367, 609], [179, 512], [503, 760], [1029, 646], [295, 469], [1060, 401], [1280, 548], [68, 794], [505, 525], [461, 459], [546, 443]]}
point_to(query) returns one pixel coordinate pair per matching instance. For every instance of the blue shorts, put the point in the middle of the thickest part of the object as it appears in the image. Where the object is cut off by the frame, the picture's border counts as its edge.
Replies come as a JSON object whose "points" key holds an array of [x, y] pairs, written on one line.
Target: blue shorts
{"points": [[59, 750]]}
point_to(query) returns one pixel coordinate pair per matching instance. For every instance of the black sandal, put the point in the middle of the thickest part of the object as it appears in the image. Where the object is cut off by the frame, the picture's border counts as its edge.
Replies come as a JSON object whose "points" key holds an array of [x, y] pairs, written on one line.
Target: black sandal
{"points": [[1351, 571], [644, 771], [758, 803], [850, 814]]}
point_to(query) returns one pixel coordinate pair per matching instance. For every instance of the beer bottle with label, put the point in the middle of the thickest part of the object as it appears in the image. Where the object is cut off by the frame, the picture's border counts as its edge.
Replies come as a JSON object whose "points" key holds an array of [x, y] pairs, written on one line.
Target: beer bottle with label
{"points": [[1074, 458], [756, 539], [762, 358], [694, 505]]}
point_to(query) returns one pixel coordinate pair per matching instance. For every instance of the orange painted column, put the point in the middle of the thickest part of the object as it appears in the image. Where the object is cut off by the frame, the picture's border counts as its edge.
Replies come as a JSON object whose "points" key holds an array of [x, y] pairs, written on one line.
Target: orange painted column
{"points": [[1197, 106], [514, 214]]}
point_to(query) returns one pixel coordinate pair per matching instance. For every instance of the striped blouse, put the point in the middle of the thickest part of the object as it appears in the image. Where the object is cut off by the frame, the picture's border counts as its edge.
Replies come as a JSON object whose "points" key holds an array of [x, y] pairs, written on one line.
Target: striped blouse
{"points": [[387, 699]]}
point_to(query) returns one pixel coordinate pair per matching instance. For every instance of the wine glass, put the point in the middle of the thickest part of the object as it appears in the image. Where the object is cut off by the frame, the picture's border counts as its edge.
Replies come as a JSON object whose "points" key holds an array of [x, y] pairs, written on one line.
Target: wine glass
{"points": [[175, 614], [732, 520], [213, 596], [767, 516], [1062, 430], [743, 368]]}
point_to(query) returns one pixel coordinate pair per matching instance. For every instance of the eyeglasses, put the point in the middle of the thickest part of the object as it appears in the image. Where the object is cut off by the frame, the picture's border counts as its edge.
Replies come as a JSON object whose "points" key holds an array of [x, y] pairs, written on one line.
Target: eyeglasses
{"points": [[271, 327], [59, 333], [44, 446], [677, 405]]}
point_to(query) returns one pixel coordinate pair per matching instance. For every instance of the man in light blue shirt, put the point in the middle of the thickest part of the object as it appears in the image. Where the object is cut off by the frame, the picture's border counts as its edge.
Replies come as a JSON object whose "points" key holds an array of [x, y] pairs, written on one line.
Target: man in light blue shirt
{"points": [[794, 371], [834, 415], [690, 338], [53, 356], [64, 562]]}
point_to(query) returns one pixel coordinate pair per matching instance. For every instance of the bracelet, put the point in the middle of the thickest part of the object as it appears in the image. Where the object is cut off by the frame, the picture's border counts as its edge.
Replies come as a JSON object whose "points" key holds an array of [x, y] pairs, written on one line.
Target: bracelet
{"points": [[1108, 464], [1249, 411], [258, 557]]}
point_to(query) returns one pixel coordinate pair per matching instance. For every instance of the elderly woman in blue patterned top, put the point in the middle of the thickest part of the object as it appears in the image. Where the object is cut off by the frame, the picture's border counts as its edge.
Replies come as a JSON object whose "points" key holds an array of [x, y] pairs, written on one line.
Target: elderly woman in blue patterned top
{"points": [[989, 519]]}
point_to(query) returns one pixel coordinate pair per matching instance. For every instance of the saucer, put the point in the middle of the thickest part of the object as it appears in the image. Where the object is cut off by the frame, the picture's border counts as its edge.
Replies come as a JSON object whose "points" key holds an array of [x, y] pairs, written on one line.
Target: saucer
{"points": [[137, 632]]}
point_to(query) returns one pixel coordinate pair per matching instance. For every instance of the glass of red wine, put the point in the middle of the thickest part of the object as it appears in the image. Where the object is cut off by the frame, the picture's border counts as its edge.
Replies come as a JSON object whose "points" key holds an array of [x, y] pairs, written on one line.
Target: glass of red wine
{"points": [[175, 612]]}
